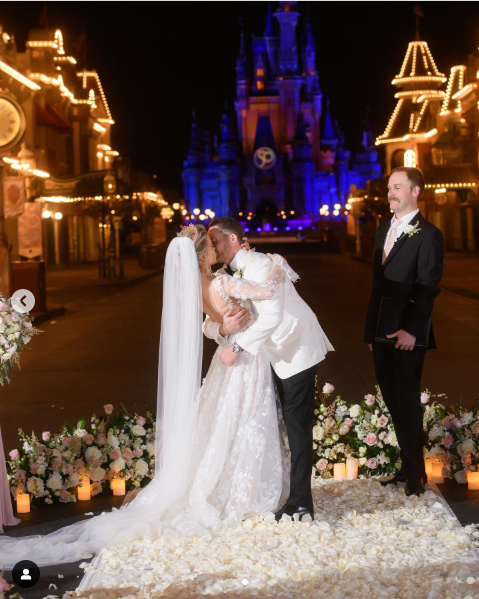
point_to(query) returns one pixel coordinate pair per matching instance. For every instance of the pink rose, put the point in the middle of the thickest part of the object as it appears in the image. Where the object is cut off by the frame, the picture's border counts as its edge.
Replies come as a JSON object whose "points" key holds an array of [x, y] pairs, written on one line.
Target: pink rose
{"points": [[88, 439], [34, 467], [371, 439], [101, 439], [46, 435], [457, 423], [56, 463], [65, 496], [322, 464], [466, 460], [383, 420], [79, 464], [66, 441], [328, 389], [41, 448], [137, 452], [95, 488], [115, 454], [372, 463], [14, 454], [20, 474], [108, 408], [68, 469], [370, 400], [348, 422], [447, 423], [127, 453], [448, 440], [475, 427], [425, 397], [96, 463], [4, 586], [140, 421]]}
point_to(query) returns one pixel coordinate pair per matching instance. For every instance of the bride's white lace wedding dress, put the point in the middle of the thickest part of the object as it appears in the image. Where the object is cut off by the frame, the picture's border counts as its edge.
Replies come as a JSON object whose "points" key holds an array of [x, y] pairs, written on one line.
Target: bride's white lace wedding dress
{"points": [[221, 447]]}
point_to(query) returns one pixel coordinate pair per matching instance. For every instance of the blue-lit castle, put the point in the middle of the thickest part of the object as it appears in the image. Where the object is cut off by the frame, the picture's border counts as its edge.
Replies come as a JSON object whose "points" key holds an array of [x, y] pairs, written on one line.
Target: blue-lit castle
{"points": [[282, 160]]}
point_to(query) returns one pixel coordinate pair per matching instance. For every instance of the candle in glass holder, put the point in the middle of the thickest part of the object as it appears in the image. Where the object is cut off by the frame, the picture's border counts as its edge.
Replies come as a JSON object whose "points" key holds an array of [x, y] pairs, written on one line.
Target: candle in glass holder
{"points": [[428, 463], [118, 486], [23, 503], [339, 471], [473, 481], [84, 493], [437, 476], [352, 465]]}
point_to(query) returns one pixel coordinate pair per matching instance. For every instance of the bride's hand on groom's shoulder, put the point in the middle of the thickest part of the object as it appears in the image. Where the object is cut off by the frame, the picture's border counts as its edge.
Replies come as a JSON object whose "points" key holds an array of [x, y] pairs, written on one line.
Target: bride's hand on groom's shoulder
{"points": [[245, 245]]}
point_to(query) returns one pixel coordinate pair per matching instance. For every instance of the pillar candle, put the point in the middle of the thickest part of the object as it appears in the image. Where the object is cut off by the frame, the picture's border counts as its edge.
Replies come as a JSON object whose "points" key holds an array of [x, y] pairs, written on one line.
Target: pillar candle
{"points": [[339, 471], [23, 503], [118, 486], [437, 476], [473, 481], [84, 493], [428, 463], [352, 465]]}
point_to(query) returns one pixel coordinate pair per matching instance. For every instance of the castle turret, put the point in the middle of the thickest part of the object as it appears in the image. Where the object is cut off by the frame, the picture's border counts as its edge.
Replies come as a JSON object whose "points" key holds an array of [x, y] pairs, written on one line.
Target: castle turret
{"points": [[302, 167], [193, 167]]}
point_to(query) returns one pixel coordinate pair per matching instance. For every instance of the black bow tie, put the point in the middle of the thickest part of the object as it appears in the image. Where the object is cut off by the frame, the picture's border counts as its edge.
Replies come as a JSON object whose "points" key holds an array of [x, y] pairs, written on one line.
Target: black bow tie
{"points": [[228, 270]]}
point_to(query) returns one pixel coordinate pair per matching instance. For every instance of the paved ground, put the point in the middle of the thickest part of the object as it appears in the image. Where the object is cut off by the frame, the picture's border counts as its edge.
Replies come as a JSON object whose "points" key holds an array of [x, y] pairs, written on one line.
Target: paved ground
{"points": [[105, 350]]}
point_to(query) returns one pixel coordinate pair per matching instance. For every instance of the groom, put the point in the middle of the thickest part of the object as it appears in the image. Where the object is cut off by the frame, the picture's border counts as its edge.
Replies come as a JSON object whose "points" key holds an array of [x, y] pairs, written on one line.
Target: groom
{"points": [[408, 259], [290, 333]]}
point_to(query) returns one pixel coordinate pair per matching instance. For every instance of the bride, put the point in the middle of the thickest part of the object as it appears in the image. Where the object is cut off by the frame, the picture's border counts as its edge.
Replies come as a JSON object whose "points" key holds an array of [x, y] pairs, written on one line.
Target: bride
{"points": [[219, 446]]}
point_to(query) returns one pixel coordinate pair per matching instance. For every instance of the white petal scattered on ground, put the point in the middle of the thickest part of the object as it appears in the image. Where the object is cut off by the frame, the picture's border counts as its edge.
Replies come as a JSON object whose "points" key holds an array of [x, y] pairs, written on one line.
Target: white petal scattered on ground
{"points": [[367, 542]]}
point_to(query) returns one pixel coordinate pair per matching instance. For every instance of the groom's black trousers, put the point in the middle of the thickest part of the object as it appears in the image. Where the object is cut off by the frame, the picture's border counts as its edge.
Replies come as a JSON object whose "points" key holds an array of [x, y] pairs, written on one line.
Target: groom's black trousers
{"points": [[296, 394], [398, 373]]}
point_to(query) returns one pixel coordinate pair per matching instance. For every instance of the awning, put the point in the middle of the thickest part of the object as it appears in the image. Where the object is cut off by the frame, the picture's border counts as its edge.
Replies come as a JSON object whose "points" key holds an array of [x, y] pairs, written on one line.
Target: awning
{"points": [[453, 174], [50, 117]]}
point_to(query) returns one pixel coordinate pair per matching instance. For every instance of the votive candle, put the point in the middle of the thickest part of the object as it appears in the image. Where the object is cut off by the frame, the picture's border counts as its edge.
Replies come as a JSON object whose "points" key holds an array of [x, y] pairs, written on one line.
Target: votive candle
{"points": [[437, 476], [473, 481], [428, 463], [339, 471], [23, 503], [352, 466], [117, 485], [84, 492]]}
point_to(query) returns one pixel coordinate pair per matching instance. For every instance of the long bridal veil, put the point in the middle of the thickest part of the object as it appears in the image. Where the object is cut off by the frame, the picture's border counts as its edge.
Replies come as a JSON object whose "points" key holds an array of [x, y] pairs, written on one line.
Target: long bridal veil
{"points": [[155, 509]]}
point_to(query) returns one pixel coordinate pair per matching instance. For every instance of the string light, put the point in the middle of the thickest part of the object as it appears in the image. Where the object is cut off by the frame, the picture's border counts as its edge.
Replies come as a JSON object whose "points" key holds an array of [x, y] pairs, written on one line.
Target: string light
{"points": [[410, 158], [94, 74], [99, 128], [69, 59], [421, 114], [18, 76], [464, 91], [449, 185]]}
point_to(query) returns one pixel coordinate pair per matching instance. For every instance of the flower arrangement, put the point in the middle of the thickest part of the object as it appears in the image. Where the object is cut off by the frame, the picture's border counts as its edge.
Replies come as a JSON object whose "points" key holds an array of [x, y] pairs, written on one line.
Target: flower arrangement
{"points": [[118, 446], [16, 330]]}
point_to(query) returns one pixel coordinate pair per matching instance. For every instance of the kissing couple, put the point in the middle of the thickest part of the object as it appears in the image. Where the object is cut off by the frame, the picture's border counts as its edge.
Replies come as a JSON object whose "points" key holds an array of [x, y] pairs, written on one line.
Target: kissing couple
{"points": [[220, 446]]}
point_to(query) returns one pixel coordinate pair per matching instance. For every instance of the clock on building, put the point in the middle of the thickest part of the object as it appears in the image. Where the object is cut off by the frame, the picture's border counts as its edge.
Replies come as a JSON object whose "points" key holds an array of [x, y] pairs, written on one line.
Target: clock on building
{"points": [[12, 122], [264, 158]]}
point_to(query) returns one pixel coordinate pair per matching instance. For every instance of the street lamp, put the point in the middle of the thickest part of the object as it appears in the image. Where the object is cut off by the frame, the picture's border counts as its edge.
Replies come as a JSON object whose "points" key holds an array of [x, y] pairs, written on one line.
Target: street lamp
{"points": [[109, 188]]}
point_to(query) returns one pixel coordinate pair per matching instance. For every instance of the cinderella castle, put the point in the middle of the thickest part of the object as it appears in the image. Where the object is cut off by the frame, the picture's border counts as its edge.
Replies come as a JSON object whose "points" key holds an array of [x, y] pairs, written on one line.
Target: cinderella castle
{"points": [[282, 160]]}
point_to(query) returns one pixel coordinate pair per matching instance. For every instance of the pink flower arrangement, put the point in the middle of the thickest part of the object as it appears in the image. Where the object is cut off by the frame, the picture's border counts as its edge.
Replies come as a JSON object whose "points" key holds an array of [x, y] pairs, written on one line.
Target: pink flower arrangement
{"points": [[46, 435], [372, 463], [328, 389], [141, 421], [101, 439], [448, 440], [425, 397], [88, 439], [115, 454], [370, 400], [322, 464], [108, 408], [14, 454], [66, 441], [65, 496], [475, 427], [371, 439], [383, 420], [348, 422]]}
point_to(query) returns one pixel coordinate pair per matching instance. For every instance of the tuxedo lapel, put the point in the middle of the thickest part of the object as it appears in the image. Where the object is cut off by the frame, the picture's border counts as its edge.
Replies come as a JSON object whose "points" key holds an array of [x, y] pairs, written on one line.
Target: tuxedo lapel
{"points": [[400, 242]]}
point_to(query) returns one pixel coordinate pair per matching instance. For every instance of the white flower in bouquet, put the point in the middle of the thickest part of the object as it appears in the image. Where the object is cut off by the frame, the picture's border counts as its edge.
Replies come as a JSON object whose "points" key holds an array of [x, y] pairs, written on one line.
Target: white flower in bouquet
{"points": [[461, 476], [150, 448], [328, 389], [392, 439], [92, 454], [318, 433], [434, 433], [117, 465], [55, 482], [354, 411], [80, 432], [141, 467], [97, 474], [41, 470], [343, 429], [322, 464], [112, 440], [467, 418], [73, 480], [138, 430], [362, 451], [362, 461], [35, 485], [468, 446]]}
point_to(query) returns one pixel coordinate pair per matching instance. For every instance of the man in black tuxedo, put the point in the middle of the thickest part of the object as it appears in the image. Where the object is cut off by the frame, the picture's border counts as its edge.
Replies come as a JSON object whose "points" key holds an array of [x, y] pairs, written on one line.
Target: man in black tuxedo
{"points": [[407, 266]]}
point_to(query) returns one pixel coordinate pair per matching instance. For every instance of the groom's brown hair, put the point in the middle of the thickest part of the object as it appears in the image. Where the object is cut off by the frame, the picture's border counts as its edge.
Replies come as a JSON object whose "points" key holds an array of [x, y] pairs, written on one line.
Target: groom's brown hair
{"points": [[228, 226]]}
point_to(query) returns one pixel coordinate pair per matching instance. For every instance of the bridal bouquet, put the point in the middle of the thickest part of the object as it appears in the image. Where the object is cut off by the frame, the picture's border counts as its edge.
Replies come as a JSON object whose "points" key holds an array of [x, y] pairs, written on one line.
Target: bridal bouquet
{"points": [[118, 445], [16, 330]]}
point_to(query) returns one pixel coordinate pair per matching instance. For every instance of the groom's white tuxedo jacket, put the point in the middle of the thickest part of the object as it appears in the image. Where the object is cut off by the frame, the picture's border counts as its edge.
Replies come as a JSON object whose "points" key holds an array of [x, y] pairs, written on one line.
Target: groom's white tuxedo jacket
{"points": [[285, 325]]}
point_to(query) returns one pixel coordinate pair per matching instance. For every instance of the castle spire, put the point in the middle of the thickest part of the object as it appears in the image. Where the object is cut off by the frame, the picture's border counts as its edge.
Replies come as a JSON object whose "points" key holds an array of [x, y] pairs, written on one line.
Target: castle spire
{"points": [[268, 32], [288, 50]]}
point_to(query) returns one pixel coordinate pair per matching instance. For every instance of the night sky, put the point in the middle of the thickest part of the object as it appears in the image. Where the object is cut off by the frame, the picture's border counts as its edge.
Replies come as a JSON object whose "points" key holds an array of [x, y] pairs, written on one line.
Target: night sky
{"points": [[159, 60]]}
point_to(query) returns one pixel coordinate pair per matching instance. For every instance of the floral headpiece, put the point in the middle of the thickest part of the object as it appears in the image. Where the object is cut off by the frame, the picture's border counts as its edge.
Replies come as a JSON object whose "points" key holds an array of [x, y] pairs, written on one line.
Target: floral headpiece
{"points": [[193, 228]]}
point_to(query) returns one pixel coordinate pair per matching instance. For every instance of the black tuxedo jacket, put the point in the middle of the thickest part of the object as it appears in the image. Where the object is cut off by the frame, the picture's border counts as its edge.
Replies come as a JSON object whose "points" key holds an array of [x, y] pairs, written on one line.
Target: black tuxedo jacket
{"points": [[412, 271]]}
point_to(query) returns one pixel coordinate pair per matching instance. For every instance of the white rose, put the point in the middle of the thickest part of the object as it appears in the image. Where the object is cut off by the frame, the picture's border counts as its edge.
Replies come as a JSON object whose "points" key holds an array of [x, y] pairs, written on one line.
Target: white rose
{"points": [[318, 433], [354, 411], [362, 461], [150, 448], [374, 420], [362, 451], [112, 440], [74, 480], [328, 388], [35, 486], [138, 430], [117, 465], [467, 418], [97, 474], [92, 454], [468, 446], [41, 470], [55, 482], [80, 432], [141, 467]]}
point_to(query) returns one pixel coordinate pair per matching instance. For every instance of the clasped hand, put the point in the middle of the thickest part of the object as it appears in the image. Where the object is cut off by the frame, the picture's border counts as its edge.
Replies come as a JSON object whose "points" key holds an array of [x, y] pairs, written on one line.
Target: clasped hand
{"points": [[405, 340]]}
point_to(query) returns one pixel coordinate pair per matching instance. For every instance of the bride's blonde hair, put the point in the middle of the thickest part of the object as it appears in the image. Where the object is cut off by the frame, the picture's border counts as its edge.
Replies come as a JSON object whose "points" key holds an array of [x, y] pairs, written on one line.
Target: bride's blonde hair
{"points": [[197, 234]]}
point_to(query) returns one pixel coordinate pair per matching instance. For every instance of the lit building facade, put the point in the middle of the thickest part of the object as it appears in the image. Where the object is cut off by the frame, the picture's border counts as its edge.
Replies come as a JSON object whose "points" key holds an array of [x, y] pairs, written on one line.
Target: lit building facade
{"points": [[281, 161], [435, 126]]}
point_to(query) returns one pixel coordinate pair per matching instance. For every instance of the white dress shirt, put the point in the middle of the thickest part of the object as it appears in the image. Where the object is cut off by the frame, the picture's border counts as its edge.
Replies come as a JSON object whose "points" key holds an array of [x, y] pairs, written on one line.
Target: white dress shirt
{"points": [[406, 219]]}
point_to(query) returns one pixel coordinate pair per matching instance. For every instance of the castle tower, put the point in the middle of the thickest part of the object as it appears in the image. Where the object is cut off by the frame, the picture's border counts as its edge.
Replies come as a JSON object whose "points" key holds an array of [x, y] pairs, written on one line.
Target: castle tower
{"points": [[193, 167], [228, 172], [302, 167]]}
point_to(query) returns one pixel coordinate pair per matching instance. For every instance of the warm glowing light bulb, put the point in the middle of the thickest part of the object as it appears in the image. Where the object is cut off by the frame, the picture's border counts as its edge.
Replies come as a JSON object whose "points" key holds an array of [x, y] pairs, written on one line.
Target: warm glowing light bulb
{"points": [[348, 206], [183, 212], [46, 214], [337, 206], [336, 212], [212, 214], [134, 217], [58, 215], [176, 206], [202, 217], [196, 211]]}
